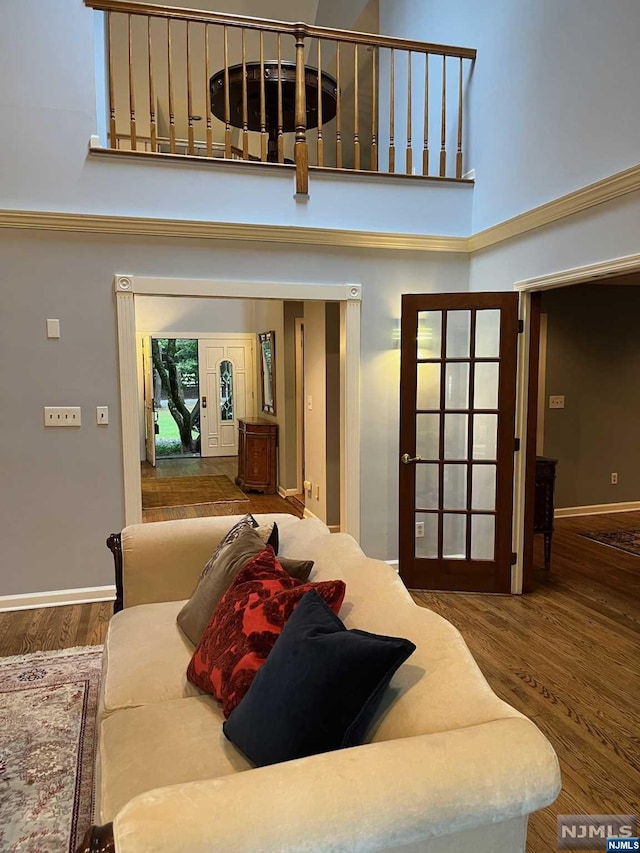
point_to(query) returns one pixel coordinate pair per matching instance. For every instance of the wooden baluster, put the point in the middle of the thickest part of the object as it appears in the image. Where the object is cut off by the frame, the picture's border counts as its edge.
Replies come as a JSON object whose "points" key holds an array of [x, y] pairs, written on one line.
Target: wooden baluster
{"points": [[392, 145], [338, 111], [113, 141], [280, 130], [132, 103], [207, 77], [152, 97], [374, 110], [190, 136], [425, 150], [443, 136], [263, 104], [356, 108], [227, 101], [409, 157], [320, 137], [172, 117], [301, 147], [459, 152], [245, 110]]}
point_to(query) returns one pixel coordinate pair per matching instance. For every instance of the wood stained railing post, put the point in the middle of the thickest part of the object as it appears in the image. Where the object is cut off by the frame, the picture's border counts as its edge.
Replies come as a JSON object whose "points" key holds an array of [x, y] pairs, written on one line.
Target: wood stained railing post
{"points": [[320, 146], [113, 142], [152, 96], [132, 101], [392, 87], [227, 102], [190, 133], [245, 109], [338, 110], [409, 156], [207, 77], [459, 152], [280, 126], [443, 136], [374, 109], [356, 111], [172, 117], [301, 146], [263, 104], [425, 150]]}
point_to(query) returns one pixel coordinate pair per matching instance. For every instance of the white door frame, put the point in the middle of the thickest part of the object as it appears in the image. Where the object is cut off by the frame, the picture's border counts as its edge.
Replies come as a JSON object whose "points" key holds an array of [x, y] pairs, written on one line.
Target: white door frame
{"points": [[348, 295], [577, 275]]}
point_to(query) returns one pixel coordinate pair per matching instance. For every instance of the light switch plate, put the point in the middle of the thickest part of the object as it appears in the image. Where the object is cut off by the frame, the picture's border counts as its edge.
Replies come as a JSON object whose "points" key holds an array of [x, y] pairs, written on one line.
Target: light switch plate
{"points": [[556, 401], [62, 416], [53, 328], [102, 415]]}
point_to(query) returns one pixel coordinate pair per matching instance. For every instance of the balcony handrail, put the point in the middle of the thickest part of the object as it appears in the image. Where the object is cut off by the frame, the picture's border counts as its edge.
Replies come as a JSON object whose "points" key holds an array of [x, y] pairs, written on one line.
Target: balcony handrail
{"points": [[284, 27]]}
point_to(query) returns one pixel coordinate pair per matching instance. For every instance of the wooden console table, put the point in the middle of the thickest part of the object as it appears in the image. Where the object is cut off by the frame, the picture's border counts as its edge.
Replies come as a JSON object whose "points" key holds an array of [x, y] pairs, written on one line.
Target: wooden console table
{"points": [[257, 457], [544, 505]]}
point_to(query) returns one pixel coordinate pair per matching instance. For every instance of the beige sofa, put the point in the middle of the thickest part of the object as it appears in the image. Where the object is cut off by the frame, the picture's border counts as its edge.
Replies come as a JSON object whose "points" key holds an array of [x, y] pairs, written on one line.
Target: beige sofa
{"points": [[450, 767]]}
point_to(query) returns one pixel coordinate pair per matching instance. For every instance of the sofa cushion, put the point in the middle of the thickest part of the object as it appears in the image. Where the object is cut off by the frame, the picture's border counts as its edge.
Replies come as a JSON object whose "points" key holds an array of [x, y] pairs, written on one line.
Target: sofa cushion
{"points": [[318, 689], [143, 748], [145, 658], [220, 572], [246, 624]]}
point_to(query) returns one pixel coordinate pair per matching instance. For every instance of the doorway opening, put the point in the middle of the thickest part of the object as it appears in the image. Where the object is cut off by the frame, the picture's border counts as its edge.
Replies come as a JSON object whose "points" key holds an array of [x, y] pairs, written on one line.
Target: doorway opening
{"points": [[175, 398]]}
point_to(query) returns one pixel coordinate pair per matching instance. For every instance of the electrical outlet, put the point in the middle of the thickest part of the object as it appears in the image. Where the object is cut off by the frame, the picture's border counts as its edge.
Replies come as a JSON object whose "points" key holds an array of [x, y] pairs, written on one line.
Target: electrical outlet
{"points": [[102, 415], [62, 416], [419, 529], [556, 401], [614, 478]]}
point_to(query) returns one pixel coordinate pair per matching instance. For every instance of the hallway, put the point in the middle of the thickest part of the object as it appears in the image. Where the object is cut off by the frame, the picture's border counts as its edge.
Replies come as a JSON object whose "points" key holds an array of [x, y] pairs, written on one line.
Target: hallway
{"points": [[208, 467]]}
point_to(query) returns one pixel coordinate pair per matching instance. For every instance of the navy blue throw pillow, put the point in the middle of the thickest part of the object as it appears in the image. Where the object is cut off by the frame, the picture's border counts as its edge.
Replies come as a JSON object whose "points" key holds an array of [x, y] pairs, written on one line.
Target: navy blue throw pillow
{"points": [[318, 689]]}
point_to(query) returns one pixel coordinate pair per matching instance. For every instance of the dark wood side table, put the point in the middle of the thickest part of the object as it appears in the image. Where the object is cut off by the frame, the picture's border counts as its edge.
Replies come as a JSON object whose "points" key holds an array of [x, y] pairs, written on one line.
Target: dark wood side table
{"points": [[257, 455], [544, 505]]}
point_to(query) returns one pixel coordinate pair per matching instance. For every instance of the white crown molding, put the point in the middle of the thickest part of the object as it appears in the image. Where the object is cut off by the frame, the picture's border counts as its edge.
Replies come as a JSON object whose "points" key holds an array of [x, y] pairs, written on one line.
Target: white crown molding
{"points": [[56, 598], [607, 189], [149, 227], [578, 275], [596, 509]]}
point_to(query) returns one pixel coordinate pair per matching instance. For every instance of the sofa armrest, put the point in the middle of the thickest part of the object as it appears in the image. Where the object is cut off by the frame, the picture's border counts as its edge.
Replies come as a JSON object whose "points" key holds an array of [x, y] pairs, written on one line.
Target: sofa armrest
{"points": [[372, 797]]}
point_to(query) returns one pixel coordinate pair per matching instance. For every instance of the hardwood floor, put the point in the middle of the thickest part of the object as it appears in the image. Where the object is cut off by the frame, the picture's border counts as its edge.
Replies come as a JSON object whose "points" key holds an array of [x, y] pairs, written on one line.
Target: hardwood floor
{"points": [[223, 465], [49, 628], [566, 655]]}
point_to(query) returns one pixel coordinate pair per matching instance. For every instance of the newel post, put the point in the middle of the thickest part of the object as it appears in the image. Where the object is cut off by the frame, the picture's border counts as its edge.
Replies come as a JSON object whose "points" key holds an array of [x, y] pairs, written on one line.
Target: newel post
{"points": [[301, 146]]}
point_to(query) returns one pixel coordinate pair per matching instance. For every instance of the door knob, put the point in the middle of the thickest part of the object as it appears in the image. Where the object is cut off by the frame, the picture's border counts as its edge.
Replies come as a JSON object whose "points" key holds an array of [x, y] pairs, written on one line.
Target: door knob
{"points": [[409, 459]]}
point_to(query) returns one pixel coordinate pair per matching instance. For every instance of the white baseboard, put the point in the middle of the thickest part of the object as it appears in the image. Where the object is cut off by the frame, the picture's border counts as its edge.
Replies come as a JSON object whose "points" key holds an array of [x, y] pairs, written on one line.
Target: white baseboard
{"points": [[308, 514], [596, 509], [57, 598], [287, 493], [395, 564]]}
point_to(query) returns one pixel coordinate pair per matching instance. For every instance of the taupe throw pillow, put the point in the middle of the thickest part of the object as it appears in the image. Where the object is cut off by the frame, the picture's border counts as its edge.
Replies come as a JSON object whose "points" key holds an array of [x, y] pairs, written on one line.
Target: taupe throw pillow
{"points": [[196, 613]]}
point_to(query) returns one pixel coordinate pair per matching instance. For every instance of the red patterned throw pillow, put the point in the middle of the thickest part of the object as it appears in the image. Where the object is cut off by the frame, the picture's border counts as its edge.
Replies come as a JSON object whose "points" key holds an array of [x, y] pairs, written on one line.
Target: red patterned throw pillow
{"points": [[245, 625]]}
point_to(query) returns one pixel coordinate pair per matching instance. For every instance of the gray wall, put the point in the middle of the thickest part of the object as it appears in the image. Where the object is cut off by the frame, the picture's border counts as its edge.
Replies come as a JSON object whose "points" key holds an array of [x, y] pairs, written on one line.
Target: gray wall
{"points": [[61, 490], [593, 359]]}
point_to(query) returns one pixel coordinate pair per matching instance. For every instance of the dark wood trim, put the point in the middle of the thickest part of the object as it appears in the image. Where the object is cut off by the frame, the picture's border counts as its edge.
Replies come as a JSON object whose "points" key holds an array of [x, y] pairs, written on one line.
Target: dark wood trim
{"points": [[530, 450], [98, 839], [114, 544]]}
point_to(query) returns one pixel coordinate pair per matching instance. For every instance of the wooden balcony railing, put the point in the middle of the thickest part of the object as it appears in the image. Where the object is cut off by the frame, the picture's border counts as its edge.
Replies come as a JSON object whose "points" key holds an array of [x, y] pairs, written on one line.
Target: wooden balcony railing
{"points": [[205, 84]]}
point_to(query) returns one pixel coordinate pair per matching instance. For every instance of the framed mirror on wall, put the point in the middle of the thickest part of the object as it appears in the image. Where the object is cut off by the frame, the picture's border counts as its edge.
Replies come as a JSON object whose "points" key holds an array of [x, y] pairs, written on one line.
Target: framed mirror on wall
{"points": [[268, 370]]}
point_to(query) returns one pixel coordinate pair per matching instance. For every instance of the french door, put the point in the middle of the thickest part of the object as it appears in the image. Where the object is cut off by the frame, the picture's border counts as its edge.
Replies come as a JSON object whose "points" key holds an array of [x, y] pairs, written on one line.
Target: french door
{"points": [[457, 422]]}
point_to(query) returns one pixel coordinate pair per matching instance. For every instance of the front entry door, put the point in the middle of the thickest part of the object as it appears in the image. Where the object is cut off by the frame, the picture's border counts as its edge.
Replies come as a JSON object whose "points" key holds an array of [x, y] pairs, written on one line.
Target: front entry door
{"points": [[226, 392], [457, 422]]}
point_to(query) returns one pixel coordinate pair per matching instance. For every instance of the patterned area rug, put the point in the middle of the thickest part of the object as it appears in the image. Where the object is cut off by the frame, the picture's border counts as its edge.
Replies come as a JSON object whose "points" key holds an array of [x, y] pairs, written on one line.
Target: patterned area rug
{"points": [[185, 491], [48, 704], [623, 540]]}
